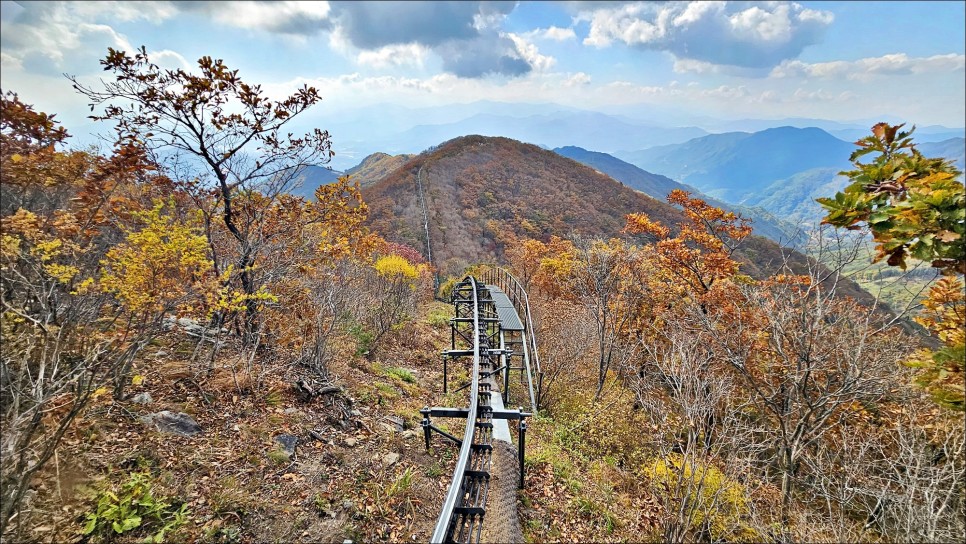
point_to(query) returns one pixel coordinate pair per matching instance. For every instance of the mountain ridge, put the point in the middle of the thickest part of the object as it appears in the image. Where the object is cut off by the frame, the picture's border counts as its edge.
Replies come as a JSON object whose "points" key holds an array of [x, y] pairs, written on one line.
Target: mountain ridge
{"points": [[658, 186], [483, 193]]}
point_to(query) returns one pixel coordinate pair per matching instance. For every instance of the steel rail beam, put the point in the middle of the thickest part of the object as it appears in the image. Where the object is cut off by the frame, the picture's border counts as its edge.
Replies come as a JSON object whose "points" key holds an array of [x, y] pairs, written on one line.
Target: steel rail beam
{"points": [[444, 527]]}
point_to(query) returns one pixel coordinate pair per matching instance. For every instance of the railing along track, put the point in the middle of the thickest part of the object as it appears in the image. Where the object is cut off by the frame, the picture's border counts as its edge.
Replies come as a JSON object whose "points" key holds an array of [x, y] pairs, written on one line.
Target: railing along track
{"points": [[502, 278]]}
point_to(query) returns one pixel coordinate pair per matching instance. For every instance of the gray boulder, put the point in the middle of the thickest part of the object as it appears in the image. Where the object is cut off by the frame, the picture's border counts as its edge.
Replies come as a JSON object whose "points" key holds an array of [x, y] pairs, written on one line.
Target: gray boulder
{"points": [[142, 398], [287, 443], [169, 422]]}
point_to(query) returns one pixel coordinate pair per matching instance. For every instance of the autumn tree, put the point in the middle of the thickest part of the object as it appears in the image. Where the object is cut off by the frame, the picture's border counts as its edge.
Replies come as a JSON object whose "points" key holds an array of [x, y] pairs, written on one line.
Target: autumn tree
{"points": [[593, 273], [389, 289], [79, 298], [681, 389], [701, 253], [807, 358], [915, 207], [912, 204], [223, 138]]}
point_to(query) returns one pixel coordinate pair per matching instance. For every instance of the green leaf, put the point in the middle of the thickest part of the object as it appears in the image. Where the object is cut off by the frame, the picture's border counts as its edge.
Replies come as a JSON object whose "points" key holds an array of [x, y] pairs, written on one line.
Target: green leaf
{"points": [[131, 523], [90, 525], [878, 217]]}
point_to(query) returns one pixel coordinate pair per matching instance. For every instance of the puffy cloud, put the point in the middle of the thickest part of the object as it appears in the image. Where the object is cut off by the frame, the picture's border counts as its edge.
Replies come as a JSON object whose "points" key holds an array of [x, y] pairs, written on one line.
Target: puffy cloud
{"points": [[371, 25], [48, 38], [578, 79], [411, 54], [759, 35], [288, 17], [465, 35], [553, 33], [529, 52], [483, 55], [868, 68], [171, 60]]}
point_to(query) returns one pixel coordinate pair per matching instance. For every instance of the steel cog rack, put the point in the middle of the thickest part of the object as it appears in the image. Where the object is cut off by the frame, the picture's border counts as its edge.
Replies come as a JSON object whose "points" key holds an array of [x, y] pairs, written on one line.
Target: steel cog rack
{"points": [[485, 328]]}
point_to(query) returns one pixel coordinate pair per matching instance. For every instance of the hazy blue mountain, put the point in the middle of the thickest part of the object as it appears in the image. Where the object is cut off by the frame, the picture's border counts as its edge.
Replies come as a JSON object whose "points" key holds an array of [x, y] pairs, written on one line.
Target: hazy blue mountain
{"points": [[400, 131], [843, 130], [656, 186], [311, 177], [953, 149], [735, 166], [556, 129], [628, 174], [360, 131], [793, 198]]}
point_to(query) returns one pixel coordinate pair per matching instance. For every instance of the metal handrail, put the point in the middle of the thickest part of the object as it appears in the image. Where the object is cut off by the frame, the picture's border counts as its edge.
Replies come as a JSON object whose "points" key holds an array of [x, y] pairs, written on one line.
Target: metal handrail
{"points": [[498, 273], [453, 495]]}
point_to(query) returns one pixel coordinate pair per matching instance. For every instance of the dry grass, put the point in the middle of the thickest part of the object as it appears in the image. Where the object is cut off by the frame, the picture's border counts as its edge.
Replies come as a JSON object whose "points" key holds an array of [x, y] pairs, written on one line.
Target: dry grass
{"points": [[236, 488]]}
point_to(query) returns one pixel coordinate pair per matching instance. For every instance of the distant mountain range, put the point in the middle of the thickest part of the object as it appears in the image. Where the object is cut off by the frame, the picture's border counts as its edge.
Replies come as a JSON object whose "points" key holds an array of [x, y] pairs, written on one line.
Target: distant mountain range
{"points": [[736, 165], [392, 128], [772, 176], [550, 129], [659, 187], [953, 149], [780, 170]]}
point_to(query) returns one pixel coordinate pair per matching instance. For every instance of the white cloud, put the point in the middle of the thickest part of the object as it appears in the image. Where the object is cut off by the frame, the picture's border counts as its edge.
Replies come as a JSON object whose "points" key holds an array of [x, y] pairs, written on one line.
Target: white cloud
{"points": [[726, 92], [868, 68], [530, 53], [578, 79], [126, 11], [757, 36], [683, 66], [286, 17], [558, 34], [756, 24], [168, 59], [411, 54]]}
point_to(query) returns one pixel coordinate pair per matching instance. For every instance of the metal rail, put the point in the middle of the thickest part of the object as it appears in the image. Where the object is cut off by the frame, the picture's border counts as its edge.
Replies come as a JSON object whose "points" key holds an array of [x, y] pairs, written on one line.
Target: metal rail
{"points": [[461, 517], [463, 509]]}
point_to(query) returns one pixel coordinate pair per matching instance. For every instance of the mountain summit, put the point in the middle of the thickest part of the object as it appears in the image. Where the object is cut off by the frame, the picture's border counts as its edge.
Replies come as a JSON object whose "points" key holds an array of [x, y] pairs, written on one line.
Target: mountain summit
{"points": [[474, 195], [734, 165]]}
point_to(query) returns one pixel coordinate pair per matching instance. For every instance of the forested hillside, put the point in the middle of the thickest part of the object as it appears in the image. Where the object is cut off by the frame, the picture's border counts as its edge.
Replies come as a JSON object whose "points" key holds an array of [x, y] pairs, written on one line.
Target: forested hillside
{"points": [[483, 194]]}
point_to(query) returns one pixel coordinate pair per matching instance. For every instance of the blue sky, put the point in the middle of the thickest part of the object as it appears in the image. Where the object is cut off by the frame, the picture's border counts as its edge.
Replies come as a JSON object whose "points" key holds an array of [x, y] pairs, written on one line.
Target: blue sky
{"points": [[844, 61]]}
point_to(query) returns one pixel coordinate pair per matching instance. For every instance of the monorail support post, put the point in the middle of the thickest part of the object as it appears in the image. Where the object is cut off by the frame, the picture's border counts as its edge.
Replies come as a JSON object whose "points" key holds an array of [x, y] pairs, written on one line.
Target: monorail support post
{"points": [[427, 431], [523, 441]]}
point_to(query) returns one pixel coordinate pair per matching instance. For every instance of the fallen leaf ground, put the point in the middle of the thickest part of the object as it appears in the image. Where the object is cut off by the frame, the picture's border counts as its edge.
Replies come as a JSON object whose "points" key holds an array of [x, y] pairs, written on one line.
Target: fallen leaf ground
{"points": [[343, 482]]}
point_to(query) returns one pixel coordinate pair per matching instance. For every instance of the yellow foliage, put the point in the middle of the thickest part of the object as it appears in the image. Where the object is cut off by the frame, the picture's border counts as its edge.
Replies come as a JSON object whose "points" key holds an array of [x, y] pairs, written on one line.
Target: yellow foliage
{"points": [[155, 266], [394, 266], [716, 502], [24, 222], [9, 246], [942, 370]]}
